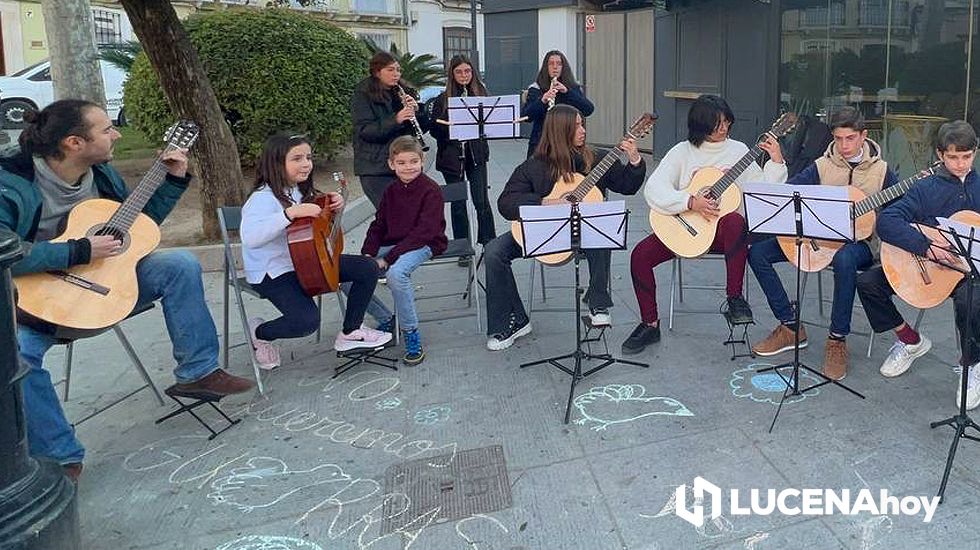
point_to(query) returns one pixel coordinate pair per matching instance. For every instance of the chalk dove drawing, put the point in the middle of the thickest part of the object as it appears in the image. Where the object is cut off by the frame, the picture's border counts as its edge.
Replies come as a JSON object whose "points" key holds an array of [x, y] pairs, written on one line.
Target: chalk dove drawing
{"points": [[622, 403]]}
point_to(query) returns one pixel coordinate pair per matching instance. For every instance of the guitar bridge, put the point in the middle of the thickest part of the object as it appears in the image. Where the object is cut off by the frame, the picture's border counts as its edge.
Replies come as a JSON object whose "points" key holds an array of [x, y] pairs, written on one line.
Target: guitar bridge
{"points": [[690, 228], [81, 282]]}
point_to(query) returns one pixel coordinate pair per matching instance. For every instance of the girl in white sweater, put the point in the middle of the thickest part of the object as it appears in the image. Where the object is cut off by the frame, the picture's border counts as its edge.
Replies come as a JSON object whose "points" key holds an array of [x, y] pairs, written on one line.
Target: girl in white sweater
{"points": [[707, 145], [283, 192]]}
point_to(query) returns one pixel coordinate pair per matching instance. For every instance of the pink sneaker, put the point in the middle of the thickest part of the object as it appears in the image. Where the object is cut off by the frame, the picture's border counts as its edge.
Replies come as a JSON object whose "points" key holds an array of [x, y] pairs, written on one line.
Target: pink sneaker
{"points": [[266, 353], [361, 338]]}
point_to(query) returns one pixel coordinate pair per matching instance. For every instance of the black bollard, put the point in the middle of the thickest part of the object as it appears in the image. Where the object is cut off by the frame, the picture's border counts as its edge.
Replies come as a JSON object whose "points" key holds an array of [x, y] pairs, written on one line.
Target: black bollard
{"points": [[37, 501]]}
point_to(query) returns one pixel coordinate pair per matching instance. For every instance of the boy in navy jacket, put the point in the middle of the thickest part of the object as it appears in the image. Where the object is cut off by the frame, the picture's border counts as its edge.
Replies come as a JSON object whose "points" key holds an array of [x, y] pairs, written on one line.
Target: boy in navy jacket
{"points": [[954, 187]]}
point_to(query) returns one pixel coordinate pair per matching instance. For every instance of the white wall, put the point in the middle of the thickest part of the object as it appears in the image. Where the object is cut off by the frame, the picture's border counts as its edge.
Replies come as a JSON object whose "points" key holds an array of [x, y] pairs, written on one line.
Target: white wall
{"points": [[13, 40], [429, 18], [557, 30]]}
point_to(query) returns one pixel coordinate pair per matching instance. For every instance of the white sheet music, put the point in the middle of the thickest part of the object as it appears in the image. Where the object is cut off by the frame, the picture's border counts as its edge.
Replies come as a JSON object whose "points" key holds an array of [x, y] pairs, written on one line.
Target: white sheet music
{"points": [[603, 224], [963, 231], [499, 113], [547, 229], [826, 210]]}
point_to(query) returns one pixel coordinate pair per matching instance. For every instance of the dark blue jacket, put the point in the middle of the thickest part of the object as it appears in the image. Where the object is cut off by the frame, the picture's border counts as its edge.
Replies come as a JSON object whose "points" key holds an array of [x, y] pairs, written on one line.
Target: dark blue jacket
{"points": [[20, 211], [940, 195], [535, 109]]}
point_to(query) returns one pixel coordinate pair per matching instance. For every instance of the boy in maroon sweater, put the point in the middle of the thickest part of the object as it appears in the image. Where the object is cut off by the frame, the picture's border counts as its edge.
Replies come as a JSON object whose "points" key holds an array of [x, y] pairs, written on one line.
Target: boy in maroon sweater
{"points": [[408, 229]]}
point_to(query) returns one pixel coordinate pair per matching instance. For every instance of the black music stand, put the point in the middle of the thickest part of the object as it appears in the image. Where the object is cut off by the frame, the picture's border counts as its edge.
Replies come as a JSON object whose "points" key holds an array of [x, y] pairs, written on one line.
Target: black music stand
{"points": [[587, 226], [962, 239], [803, 212], [480, 118]]}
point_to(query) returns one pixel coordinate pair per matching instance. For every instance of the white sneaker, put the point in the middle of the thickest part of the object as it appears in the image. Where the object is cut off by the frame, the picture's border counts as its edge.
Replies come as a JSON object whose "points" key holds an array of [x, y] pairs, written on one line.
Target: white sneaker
{"points": [[901, 356], [972, 389], [266, 353], [504, 340], [361, 338]]}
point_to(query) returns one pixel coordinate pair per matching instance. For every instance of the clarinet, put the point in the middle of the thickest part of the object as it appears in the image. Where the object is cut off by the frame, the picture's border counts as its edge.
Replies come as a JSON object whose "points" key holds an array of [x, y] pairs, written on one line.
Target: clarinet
{"points": [[551, 102], [415, 123]]}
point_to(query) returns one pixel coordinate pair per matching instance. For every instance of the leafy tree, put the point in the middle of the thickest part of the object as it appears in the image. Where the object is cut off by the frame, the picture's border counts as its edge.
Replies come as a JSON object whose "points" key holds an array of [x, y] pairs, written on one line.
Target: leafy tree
{"points": [[271, 69], [419, 71], [121, 55]]}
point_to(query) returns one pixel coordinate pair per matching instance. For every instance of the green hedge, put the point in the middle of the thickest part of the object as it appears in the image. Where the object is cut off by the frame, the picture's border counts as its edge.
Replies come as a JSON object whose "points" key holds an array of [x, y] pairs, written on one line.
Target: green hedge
{"points": [[272, 69]]}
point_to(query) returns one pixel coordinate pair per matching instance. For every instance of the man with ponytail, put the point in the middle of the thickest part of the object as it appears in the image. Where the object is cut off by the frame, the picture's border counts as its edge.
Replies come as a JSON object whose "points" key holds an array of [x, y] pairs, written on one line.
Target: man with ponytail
{"points": [[63, 160]]}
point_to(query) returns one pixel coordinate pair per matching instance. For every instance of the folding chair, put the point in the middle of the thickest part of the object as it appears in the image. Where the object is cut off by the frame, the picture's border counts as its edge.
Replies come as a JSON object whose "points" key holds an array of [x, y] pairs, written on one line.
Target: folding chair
{"points": [[69, 344], [230, 220], [456, 250], [677, 283]]}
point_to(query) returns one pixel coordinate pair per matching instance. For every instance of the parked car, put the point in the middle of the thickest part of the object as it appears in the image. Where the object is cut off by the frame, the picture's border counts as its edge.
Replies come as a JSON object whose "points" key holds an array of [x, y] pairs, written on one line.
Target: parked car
{"points": [[31, 88]]}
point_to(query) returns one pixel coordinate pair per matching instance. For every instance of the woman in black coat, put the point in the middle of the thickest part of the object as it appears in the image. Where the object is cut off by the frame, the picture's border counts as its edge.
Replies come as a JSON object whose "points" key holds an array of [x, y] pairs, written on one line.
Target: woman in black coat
{"points": [[453, 157], [541, 94], [380, 114]]}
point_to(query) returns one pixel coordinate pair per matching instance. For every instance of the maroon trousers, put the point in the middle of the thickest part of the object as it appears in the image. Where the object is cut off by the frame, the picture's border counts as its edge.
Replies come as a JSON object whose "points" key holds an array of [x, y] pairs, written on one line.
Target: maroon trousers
{"points": [[729, 240]]}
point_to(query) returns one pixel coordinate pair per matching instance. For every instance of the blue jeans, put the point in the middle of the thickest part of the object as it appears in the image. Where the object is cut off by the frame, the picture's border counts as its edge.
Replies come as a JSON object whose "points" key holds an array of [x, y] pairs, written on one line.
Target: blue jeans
{"points": [[850, 259], [399, 277], [174, 277]]}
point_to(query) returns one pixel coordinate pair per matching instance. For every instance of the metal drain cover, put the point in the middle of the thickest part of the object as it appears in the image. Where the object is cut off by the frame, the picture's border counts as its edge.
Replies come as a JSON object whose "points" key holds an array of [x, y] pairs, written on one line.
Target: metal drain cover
{"points": [[474, 482]]}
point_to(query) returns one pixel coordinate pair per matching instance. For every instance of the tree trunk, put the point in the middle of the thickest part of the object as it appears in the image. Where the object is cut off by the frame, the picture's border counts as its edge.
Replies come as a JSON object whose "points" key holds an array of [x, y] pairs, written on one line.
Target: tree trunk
{"points": [[189, 92], [75, 70]]}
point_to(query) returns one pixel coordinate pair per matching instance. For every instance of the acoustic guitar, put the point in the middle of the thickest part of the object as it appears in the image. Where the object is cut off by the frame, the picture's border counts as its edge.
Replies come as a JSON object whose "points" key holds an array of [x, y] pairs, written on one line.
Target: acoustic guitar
{"points": [[315, 245], [919, 281], [689, 234], [817, 254], [583, 188], [103, 292]]}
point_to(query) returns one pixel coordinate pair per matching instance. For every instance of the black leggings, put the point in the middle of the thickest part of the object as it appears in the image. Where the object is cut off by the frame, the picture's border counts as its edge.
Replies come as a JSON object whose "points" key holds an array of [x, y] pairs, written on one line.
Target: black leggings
{"points": [[300, 315]]}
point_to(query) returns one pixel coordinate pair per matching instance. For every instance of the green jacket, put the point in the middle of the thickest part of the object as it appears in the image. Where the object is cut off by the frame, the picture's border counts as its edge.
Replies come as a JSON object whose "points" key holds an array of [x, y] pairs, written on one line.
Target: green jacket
{"points": [[20, 211]]}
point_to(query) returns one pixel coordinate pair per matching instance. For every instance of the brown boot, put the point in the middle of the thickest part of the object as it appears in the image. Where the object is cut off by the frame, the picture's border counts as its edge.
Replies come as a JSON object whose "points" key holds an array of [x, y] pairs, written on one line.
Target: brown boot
{"points": [[782, 339], [835, 359], [217, 384]]}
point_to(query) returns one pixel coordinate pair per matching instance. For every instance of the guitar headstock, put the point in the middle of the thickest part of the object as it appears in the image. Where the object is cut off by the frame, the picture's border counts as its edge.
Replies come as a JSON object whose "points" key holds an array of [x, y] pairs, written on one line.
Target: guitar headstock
{"points": [[785, 124], [641, 126], [929, 171], [181, 135]]}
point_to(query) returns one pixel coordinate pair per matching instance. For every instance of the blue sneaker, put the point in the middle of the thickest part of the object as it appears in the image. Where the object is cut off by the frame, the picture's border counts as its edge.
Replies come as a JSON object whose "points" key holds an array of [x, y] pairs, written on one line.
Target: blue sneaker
{"points": [[387, 326], [414, 354]]}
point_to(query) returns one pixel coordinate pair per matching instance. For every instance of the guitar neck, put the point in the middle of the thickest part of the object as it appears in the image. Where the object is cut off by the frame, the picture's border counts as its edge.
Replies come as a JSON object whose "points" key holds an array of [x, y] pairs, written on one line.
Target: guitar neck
{"points": [[878, 199], [126, 214], [734, 172], [590, 181]]}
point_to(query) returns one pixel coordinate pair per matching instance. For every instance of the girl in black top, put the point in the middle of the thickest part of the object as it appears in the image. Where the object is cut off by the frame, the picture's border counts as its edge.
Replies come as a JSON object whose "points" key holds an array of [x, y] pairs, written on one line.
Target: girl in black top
{"points": [[454, 157], [541, 95], [380, 114]]}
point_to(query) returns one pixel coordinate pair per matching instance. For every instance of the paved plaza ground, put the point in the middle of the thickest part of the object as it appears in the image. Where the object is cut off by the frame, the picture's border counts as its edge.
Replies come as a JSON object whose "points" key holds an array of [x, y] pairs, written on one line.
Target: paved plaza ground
{"points": [[313, 463]]}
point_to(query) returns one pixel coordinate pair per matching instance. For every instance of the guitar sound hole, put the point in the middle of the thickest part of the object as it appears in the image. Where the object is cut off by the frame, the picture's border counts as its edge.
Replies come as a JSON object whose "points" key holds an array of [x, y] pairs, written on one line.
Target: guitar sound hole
{"points": [[103, 229]]}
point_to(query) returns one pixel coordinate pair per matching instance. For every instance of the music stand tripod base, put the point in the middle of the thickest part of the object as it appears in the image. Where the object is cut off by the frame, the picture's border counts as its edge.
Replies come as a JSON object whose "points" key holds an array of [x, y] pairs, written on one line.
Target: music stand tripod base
{"points": [[357, 356], [199, 399], [734, 340]]}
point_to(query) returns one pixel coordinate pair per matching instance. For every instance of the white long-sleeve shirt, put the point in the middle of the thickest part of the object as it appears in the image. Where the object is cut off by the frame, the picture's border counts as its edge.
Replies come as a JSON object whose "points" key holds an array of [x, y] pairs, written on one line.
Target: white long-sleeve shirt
{"points": [[265, 250], [666, 188]]}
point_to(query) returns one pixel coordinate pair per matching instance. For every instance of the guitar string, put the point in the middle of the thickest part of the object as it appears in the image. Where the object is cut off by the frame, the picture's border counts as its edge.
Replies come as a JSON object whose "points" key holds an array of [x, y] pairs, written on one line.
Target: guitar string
{"points": [[123, 218]]}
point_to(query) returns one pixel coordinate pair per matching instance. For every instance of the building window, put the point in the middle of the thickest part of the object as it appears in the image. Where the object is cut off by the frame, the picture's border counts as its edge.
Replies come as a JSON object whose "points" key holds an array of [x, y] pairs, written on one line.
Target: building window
{"points": [[108, 27], [456, 41], [822, 16], [381, 39], [370, 6], [874, 13]]}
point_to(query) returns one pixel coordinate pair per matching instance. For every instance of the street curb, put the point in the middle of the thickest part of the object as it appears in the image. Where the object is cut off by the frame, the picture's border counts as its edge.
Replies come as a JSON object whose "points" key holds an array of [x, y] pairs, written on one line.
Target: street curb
{"points": [[212, 256]]}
